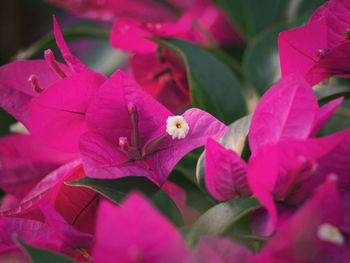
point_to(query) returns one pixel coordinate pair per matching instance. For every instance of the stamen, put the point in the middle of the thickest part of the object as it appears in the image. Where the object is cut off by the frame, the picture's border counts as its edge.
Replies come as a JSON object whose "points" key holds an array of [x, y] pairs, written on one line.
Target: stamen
{"points": [[53, 64], [33, 80], [329, 233], [123, 143], [135, 135], [322, 52], [347, 34], [177, 127], [153, 145]]}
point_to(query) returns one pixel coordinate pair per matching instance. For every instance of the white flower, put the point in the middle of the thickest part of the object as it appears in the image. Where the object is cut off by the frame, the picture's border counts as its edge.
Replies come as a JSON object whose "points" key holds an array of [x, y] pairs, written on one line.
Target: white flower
{"points": [[177, 127], [329, 233]]}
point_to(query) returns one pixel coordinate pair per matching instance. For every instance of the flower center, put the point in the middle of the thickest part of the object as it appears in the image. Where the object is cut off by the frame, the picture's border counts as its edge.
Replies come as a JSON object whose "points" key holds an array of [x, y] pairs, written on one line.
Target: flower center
{"points": [[177, 127], [329, 233], [347, 34], [322, 52]]}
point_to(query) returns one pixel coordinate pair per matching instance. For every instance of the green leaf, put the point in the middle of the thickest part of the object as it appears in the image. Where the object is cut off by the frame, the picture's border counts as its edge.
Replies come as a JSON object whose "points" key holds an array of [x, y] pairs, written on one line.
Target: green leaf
{"points": [[261, 61], [307, 7], [40, 255], [220, 218], [5, 121], [214, 87], [332, 89], [252, 16], [340, 120], [234, 139], [117, 189]]}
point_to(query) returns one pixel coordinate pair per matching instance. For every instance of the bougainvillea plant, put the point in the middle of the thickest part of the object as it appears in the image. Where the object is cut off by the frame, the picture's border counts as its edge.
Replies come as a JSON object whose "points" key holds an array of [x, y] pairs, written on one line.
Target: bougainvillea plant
{"points": [[222, 134]]}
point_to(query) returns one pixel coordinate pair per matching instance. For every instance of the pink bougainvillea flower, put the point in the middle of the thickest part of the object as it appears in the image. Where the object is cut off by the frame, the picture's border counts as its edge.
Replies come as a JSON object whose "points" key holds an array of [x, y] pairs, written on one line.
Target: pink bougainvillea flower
{"points": [[312, 234], [24, 161], [288, 110], [204, 23], [77, 205], [58, 235], [130, 34], [319, 50], [144, 235], [210, 17], [144, 10], [287, 164], [225, 172], [65, 231], [48, 97], [164, 77], [291, 169], [57, 115], [16, 92], [220, 250], [132, 134]]}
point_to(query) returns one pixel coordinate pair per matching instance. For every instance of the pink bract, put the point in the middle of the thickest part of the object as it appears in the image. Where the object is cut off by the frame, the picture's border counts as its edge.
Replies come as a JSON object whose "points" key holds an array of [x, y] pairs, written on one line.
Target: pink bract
{"points": [[58, 236], [204, 23], [164, 77], [122, 112], [57, 116], [291, 170], [220, 250], [48, 97], [225, 172], [153, 239], [298, 240], [318, 50], [287, 110], [25, 161], [16, 93], [76, 204]]}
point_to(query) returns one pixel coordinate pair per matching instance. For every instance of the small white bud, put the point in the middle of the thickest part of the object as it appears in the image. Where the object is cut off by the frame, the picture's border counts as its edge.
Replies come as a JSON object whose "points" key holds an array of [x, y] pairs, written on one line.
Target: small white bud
{"points": [[177, 127], [18, 128], [329, 233]]}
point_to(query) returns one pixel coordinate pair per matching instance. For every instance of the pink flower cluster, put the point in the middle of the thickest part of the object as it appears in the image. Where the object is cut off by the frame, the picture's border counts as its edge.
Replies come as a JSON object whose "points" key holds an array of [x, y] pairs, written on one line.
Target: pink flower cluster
{"points": [[80, 124]]}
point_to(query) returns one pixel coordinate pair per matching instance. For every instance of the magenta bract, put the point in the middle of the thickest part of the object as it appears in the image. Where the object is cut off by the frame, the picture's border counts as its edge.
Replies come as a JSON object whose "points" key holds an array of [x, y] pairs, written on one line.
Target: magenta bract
{"points": [[151, 239], [25, 161], [318, 50], [306, 236], [128, 133]]}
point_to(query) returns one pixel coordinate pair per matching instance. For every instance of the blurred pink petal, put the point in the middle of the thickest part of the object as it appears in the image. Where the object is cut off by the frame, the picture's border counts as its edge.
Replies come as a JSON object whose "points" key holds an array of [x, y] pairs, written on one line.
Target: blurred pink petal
{"points": [[298, 239], [76, 204], [318, 50], [220, 250], [152, 239], [164, 77], [24, 161]]}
